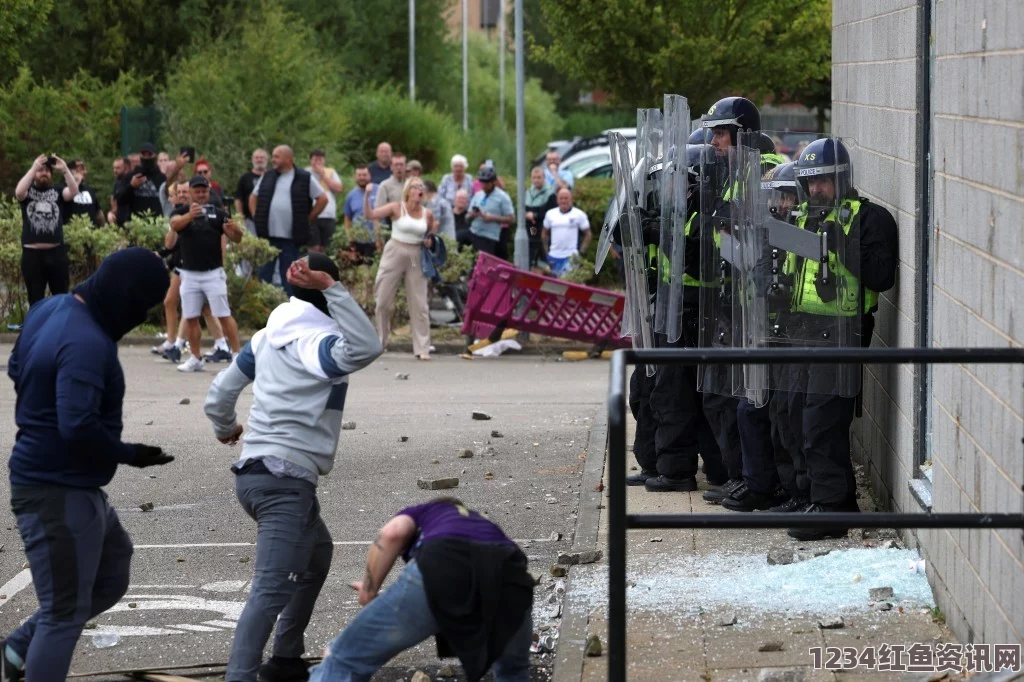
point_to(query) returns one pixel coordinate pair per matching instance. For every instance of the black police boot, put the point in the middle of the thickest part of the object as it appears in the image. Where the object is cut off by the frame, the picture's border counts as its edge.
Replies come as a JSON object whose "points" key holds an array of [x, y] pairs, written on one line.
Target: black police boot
{"points": [[793, 504], [278, 669], [640, 477], [819, 532], [716, 495], [743, 499], [664, 484]]}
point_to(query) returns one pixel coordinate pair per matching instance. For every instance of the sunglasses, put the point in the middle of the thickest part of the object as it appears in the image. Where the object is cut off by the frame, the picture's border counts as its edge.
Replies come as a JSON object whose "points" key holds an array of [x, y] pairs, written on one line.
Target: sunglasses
{"points": [[205, 171]]}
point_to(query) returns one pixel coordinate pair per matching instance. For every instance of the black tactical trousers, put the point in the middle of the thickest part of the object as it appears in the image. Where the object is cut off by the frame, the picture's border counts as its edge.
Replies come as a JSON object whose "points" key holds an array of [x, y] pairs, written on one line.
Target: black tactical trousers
{"points": [[757, 447], [789, 456], [823, 424], [682, 432], [640, 386]]}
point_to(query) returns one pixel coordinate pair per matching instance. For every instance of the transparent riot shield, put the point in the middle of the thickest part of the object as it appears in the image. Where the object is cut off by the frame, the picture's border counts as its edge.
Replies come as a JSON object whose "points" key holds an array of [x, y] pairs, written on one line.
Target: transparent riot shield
{"points": [[818, 300], [637, 313], [720, 326], [673, 212]]}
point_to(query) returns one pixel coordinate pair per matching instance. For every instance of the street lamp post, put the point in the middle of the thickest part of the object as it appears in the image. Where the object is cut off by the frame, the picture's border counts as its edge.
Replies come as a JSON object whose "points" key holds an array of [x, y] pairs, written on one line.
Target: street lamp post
{"points": [[412, 50]]}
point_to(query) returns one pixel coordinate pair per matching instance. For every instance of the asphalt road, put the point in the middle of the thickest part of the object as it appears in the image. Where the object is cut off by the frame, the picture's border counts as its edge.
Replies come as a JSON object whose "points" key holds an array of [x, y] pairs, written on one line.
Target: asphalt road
{"points": [[192, 562]]}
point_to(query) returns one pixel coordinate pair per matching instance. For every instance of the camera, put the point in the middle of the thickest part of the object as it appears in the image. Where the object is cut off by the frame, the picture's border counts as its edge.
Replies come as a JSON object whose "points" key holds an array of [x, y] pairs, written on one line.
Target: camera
{"points": [[51, 161]]}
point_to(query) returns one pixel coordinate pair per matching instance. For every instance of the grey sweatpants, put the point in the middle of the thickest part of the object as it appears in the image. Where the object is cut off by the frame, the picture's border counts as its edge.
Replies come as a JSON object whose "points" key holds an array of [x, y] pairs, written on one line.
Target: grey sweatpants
{"points": [[293, 556]]}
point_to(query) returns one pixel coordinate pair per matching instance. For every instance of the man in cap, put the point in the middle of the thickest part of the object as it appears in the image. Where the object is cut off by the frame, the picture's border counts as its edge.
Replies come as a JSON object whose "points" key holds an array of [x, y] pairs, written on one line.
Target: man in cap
{"points": [[203, 231], [299, 366], [70, 390], [490, 211], [138, 190]]}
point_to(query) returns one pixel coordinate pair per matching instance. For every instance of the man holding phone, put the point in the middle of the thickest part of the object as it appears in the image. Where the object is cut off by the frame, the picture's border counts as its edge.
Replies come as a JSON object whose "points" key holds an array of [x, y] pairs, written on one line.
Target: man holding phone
{"points": [[138, 191], [490, 210]]}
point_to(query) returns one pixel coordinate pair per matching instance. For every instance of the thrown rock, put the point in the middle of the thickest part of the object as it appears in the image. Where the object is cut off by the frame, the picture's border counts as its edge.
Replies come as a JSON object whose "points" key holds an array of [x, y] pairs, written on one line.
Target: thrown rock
{"points": [[656, 539], [569, 559], [782, 675], [481, 416], [555, 536], [348, 426], [420, 676], [773, 645], [438, 483], [590, 556], [727, 620], [180, 560], [558, 571], [882, 606], [781, 556], [146, 506], [497, 434], [403, 439], [446, 672], [243, 560], [834, 623], [149, 422], [401, 376], [879, 593], [593, 646], [184, 401], [132, 605], [465, 453]]}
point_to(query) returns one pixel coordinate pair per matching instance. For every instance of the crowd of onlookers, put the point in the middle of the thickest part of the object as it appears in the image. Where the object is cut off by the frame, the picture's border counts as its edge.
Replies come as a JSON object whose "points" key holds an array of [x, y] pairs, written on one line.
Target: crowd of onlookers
{"points": [[390, 209]]}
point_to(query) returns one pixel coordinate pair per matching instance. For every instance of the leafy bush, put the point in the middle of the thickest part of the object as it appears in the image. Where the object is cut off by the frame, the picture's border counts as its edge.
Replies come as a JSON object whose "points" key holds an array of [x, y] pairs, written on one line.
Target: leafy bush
{"points": [[593, 120]]}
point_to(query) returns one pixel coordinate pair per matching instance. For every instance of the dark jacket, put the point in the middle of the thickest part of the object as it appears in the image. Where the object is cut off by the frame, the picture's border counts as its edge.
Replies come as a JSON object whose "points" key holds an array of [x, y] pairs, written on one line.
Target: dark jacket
{"points": [[302, 205], [479, 594], [68, 379]]}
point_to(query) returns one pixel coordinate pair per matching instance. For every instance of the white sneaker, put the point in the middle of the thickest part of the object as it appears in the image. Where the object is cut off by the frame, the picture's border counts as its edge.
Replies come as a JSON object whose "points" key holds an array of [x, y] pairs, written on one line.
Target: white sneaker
{"points": [[193, 364], [161, 349]]}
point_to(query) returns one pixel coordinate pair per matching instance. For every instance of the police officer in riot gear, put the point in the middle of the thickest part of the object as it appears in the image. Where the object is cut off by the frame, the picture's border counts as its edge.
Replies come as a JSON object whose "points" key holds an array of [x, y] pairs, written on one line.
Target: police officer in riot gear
{"points": [[832, 302]]}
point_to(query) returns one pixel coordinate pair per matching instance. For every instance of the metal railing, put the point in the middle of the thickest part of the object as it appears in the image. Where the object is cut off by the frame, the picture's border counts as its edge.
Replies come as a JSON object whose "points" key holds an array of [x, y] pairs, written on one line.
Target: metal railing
{"points": [[619, 521]]}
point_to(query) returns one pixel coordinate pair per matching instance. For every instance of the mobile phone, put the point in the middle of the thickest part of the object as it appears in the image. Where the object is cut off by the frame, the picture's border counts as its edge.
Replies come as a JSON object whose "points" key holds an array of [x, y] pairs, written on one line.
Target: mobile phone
{"points": [[190, 152], [489, 163], [51, 161]]}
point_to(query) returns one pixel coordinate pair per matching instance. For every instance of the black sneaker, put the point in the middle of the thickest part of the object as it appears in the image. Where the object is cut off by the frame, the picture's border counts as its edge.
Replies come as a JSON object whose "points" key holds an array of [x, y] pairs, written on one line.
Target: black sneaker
{"points": [[640, 477], [283, 670], [218, 355], [664, 484], [8, 671], [793, 504], [743, 499], [819, 533], [716, 495], [173, 354]]}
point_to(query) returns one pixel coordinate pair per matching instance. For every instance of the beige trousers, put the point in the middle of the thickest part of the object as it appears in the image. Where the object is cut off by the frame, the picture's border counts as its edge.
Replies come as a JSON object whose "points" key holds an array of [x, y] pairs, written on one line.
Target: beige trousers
{"points": [[403, 260]]}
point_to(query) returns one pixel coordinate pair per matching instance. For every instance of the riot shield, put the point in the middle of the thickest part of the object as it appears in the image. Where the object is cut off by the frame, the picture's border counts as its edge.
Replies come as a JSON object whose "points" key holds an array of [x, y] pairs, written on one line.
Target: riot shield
{"points": [[721, 257], [637, 312], [816, 300], [671, 252]]}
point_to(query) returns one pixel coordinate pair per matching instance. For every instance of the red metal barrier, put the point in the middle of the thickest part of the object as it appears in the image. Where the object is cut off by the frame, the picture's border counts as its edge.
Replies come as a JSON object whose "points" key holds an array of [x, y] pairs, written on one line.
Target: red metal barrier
{"points": [[502, 296]]}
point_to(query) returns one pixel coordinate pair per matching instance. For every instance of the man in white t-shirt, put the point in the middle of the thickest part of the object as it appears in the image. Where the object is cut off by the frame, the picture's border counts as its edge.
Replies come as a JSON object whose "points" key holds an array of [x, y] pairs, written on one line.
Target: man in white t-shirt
{"points": [[322, 230], [561, 235]]}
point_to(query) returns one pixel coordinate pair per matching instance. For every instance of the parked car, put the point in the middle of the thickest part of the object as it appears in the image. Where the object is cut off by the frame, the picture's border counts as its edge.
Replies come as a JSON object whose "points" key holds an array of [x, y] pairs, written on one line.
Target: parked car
{"points": [[793, 138]]}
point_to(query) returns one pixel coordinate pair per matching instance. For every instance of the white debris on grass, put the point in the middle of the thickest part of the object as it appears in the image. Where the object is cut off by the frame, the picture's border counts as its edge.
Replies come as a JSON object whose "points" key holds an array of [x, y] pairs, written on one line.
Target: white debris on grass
{"points": [[749, 584]]}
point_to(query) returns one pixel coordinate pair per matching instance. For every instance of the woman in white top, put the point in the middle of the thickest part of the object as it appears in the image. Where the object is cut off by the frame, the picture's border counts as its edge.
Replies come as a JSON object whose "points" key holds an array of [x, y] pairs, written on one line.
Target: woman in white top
{"points": [[412, 227]]}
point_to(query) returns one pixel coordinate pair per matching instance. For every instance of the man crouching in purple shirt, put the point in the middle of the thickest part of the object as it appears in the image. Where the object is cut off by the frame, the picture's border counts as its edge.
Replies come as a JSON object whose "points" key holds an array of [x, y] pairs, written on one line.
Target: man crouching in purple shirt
{"points": [[465, 582]]}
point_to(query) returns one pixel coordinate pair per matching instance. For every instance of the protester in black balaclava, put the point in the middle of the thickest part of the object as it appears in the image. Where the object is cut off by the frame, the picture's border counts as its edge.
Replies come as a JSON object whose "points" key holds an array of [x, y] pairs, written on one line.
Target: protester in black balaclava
{"points": [[139, 188], [70, 389]]}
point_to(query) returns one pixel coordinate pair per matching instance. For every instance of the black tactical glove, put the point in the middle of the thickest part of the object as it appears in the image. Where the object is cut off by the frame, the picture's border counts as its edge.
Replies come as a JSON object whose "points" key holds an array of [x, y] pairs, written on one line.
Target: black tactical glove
{"points": [[149, 455]]}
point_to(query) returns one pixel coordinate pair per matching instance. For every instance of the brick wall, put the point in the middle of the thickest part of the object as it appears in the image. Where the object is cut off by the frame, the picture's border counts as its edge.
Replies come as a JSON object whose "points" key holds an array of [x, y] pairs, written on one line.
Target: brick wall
{"points": [[977, 271]]}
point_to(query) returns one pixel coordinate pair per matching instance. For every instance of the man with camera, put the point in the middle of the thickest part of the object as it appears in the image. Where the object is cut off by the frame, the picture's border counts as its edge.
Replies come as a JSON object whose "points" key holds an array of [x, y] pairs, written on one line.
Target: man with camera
{"points": [[138, 190], [202, 233], [490, 210], [44, 259]]}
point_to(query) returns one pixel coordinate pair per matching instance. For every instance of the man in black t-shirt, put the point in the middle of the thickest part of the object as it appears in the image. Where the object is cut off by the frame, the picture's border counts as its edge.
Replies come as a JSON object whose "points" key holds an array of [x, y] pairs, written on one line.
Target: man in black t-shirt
{"points": [[138, 190], [202, 233], [44, 259], [246, 184], [86, 202]]}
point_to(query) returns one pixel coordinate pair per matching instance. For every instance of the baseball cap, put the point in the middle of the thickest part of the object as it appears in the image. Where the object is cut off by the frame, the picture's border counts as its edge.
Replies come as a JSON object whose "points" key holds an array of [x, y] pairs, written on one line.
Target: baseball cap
{"points": [[147, 147], [198, 181]]}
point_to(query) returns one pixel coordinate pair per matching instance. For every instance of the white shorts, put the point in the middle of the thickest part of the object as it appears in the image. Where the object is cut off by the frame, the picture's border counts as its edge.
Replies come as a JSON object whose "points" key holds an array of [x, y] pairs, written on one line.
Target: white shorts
{"points": [[199, 287]]}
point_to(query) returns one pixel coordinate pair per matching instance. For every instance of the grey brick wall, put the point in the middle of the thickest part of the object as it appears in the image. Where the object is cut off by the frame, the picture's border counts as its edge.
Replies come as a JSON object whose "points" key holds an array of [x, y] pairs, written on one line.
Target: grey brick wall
{"points": [[977, 265]]}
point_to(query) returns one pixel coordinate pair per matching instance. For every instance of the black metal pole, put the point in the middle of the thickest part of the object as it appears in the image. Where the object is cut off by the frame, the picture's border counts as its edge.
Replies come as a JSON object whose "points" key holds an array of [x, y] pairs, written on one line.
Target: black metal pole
{"points": [[810, 356], [617, 520], [839, 519]]}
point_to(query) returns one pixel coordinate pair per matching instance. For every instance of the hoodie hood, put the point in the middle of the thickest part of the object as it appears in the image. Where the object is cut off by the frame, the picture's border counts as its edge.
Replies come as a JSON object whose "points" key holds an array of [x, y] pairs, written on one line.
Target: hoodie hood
{"points": [[295, 320], [121, 292]]}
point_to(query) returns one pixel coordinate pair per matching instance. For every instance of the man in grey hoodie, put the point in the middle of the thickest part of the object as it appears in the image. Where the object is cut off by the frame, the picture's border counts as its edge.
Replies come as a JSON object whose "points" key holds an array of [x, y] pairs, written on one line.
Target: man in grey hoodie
{"points": [[299, 366]]}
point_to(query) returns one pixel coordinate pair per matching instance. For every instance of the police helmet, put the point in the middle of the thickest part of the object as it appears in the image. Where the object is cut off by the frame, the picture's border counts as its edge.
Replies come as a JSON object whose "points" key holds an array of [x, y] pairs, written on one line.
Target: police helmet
{"points": [[780, 184], [700, 136], [738, 113], [826, 157], [765, 144]]}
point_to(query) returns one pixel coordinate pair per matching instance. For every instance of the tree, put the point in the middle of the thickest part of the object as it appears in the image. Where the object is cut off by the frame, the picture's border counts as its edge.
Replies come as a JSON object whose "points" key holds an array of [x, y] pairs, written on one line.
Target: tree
{"points": [[637, 50], [21, 24]]}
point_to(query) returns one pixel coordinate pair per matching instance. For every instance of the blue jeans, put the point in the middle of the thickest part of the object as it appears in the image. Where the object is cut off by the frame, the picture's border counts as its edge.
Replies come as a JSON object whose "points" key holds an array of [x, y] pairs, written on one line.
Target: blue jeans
{"points": [[289, 254], [400, 618], [80, 557]]}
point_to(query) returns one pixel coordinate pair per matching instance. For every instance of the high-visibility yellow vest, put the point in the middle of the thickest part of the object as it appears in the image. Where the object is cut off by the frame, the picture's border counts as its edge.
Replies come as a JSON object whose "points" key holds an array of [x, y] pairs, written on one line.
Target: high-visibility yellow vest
{"points": [[848, 289]]}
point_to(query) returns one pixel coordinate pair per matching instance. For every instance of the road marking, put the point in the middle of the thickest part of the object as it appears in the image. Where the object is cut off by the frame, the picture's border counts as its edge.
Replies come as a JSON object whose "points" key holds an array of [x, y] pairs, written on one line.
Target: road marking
{"points": [[162, 587], [231, 625], [15, 585], [225, 586], [195, 628]]}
